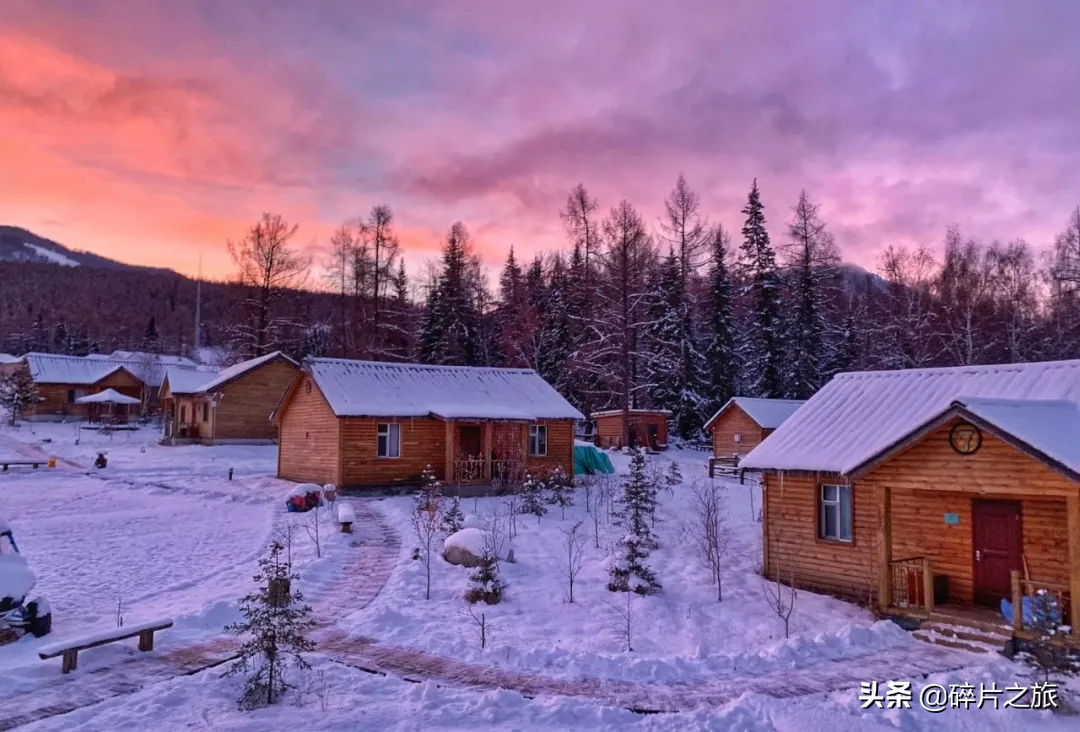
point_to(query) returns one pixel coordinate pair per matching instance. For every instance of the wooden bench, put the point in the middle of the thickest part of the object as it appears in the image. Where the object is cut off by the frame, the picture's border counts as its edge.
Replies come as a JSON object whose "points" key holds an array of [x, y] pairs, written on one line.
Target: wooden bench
{"points": [[70, 649], [33, 463]]}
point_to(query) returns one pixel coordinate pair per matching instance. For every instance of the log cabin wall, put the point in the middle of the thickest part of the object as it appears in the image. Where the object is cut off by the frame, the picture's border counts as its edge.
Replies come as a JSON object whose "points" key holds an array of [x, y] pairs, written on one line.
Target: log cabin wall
{"points": [[55, 397], [791, 543], [930, 479], [310, 448], [560, 448], [243, 412], [735, 421], [609, 432], [423, 443]]}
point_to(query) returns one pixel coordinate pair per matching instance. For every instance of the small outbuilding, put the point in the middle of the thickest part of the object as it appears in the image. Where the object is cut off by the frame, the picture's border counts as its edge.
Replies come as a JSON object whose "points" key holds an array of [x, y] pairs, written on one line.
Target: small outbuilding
{"points": [[378, 424], [230, 406], [108, 407], [62, 380], [743, 423], [618, 428]]}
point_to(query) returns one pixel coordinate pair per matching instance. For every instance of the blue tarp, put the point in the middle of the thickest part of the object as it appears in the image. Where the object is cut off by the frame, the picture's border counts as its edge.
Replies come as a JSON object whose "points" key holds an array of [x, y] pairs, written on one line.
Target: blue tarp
{"points": [[589, 461]]}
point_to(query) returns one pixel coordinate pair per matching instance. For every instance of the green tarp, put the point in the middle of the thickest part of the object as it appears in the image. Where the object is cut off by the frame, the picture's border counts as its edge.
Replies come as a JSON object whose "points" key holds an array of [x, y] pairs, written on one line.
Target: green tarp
{"points": [[589, 461]]}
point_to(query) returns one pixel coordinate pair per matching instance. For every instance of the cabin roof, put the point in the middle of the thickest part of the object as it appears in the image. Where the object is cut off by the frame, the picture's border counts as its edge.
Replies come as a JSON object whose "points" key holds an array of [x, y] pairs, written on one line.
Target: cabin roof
{"points": [[858, 416], [183, 381], [767, 413], [53, 368], [6, 358], [381, 389]]}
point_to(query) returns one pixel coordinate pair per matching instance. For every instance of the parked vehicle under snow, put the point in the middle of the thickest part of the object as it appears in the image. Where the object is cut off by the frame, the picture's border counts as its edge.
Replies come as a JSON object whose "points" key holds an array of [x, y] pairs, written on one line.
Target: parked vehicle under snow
{"points": [[17, 616]]}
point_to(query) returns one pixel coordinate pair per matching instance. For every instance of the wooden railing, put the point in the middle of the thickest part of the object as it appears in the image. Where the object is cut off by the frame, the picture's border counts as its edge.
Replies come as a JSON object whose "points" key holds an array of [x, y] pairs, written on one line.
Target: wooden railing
{"points": [[509, 471], [912, 584], [1048, 598], [468, 469]]}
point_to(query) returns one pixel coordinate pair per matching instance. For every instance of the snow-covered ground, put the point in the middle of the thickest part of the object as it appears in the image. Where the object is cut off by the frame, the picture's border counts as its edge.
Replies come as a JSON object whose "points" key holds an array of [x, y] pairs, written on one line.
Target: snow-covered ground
{"points": [[167, 532]]}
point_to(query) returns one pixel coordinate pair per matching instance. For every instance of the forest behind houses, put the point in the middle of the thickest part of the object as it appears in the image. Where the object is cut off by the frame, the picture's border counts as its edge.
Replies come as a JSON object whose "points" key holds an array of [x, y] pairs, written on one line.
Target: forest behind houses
{"points": [[679, 313]]}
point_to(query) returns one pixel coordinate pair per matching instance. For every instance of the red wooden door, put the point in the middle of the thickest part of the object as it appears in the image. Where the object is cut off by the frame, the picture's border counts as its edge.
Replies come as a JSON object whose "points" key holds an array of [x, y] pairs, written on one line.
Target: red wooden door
{"points": [[998, 543]]}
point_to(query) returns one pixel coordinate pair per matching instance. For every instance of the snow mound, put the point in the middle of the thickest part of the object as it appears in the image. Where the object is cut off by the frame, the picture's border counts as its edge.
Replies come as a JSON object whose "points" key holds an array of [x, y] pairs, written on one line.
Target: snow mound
{"points": [[465, 547], [345, 514], [471, 521], [302, 489], [16, 579]]}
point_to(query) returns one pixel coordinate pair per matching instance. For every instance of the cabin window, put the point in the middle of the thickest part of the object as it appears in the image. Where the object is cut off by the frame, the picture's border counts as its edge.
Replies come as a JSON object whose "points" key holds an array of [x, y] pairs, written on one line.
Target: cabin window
{"points": [[538, 440], [71, 396], [389, 440], [836, 523], [206, 411]]}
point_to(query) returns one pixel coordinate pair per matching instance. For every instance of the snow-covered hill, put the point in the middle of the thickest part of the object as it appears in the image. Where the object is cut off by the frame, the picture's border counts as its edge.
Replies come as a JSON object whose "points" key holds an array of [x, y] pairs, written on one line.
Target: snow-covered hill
{"points": [[20, 245]]}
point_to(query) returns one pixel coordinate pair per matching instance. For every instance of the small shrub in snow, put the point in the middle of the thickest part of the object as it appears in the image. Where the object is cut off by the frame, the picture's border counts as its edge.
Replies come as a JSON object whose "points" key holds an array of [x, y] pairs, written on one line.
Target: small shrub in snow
{"points": [[709, 531], [453, 520], [426, 525], [532, 497], [636, 507], [623, 615], [486, 586], [560, 489], [482, 626], [574, 558], [629, 573], [1049, 657], [275, 634], [672, 477], [17, 392], [781, 594], [429, 497]]}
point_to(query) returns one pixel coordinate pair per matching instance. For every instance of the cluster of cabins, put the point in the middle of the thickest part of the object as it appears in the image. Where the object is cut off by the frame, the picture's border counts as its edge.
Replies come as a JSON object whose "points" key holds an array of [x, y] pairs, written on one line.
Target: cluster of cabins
{"points": [[915, 490]]}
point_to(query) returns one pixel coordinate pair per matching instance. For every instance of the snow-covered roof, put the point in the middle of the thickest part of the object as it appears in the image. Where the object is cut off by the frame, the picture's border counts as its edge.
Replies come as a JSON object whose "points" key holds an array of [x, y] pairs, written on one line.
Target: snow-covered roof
{"points": [[51, 368], [8, 358], [611, 412], [241, 368], [162, 358], [48, 368], [768, 413], [108, 396], [379, 389], [857, 416], [186, 381]]}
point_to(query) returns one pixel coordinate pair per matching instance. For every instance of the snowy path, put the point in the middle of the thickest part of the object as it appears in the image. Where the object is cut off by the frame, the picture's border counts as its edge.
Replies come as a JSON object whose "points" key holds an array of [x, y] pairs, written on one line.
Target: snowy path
{"points": [[821, 678], [361, 578], [31, 452]]}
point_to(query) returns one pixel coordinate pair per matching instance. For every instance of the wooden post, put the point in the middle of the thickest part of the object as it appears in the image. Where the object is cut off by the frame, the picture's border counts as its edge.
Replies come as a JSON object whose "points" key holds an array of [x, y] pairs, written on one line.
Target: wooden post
{"points": [[928, 585], [1072, 508], [1017, 602], [488, 428], [70, 661], [449, 451], [146, 640], [884, 549], [525, 446]]}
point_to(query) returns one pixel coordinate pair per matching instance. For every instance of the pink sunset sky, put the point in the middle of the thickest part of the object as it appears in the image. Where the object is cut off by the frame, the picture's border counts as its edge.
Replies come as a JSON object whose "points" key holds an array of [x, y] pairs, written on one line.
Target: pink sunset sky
{"points": [[153, 131]]}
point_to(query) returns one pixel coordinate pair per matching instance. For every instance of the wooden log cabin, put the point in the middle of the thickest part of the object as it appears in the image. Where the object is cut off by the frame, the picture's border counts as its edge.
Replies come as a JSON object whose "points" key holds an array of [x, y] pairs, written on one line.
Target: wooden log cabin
{"points": [[639, 427], [362, 424], [743, 422], [934, 494], [233, 406], [62, 380]]}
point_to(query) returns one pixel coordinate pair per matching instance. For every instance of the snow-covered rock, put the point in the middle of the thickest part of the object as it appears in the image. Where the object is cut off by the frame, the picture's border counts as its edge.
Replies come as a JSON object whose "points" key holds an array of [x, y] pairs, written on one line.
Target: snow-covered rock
{"points": [[465, 547], [345, 514]]}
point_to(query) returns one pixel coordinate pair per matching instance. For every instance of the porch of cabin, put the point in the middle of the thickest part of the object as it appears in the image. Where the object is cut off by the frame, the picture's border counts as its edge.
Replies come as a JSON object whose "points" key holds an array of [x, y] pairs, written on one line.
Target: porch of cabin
{"points": [[482, 452]]}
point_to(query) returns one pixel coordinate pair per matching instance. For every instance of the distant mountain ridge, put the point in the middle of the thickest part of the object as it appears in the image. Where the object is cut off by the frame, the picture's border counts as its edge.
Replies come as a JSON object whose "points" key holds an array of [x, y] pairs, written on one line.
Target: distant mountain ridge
{"points": [[21, 245]]}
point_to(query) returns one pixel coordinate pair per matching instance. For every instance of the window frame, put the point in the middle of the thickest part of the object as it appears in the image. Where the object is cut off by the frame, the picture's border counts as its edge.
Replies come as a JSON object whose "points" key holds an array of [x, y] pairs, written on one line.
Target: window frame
{"points": [[822, 505], [534, 440], [385, 430]]}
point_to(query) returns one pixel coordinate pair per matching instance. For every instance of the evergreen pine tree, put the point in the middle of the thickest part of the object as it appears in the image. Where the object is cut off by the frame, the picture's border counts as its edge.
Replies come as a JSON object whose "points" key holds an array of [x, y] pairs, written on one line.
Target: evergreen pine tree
{"points": [[275, 623], [431, 328], [532, 497], [150, 337], [554, 338], [453, 520], [636, 511], [764, 357], [846, 353], [663, 354], [487, 585], [720, 353], [560, 489], [452, 332]]}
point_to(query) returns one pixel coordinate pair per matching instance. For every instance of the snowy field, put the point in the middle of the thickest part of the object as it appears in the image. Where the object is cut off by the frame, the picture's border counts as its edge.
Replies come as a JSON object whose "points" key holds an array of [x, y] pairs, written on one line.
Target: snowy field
{"points": [[165, 532]]}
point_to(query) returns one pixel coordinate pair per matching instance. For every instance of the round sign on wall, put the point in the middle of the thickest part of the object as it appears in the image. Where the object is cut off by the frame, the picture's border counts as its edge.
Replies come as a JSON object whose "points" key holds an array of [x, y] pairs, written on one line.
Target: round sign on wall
{"points": [[965, 438]]}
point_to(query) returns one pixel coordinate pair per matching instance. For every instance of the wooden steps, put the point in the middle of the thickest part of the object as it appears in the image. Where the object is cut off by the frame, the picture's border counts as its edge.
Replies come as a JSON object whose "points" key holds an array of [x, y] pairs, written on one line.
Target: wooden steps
{"points": [[965, 629]]}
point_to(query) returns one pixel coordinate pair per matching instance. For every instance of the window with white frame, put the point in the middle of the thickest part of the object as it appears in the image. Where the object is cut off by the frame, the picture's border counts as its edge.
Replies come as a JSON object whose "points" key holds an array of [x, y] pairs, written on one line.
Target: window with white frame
{"points": [[538, 440], [389, 440], [836, 521]]}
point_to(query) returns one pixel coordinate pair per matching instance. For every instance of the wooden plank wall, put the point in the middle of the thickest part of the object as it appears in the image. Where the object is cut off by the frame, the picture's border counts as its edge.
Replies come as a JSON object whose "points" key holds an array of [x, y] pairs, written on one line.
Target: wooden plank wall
{"points": [[609, 429], [309, 449], [56, 395], [560, 451], [733, 421], [926, 481], [244, 410], [792, 543], [423, 443]]}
